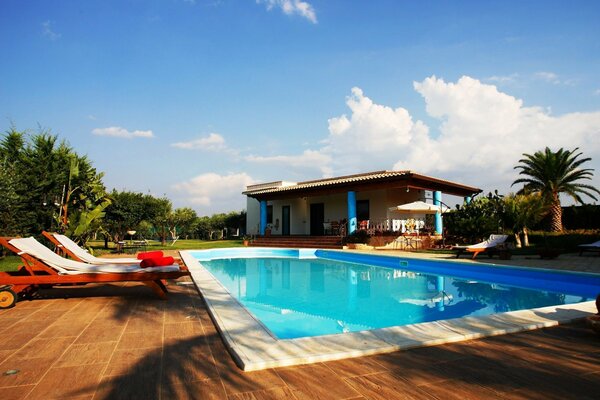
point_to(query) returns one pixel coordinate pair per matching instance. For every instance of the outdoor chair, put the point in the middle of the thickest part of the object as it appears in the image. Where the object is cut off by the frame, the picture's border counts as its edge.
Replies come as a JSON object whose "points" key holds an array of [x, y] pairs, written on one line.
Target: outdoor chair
{"points": [[589, 247], [42, 267], [493, 243], [72, 249]]}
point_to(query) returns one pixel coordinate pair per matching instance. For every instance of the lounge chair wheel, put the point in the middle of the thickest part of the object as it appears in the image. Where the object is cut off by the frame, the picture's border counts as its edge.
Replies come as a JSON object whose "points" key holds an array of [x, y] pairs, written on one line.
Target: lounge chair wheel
{"points": [[8, 298]]}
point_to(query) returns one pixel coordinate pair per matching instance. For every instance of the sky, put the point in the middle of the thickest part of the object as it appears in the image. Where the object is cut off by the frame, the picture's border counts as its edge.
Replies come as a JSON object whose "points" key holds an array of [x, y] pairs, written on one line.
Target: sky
{"points": [[196, 99]]}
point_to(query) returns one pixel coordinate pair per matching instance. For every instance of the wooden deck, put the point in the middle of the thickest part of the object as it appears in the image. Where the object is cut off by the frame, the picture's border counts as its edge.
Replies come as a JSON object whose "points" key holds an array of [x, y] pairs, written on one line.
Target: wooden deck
{"points": [[120, 342]]}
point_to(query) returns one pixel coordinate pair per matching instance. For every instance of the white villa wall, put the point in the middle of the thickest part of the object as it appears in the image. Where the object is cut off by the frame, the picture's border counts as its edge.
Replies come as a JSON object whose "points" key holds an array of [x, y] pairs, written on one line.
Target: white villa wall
{"points": [[252, 215], [335, 208]]}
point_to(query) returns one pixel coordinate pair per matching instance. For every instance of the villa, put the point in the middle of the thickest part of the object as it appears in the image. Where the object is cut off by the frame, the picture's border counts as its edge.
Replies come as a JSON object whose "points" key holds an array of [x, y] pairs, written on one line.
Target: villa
{"points": [[351, 202]]}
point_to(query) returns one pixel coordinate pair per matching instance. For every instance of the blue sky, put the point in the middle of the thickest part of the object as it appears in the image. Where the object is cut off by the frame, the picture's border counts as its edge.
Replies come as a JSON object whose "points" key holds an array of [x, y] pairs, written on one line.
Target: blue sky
{"points": [[196, 99]]}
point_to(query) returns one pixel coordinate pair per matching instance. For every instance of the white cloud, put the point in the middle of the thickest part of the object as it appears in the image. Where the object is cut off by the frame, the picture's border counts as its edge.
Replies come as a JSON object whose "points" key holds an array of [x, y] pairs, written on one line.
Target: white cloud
{"points": [[503, 78], [117, 131], [547, 76], [290, 7], [307, 161], [214, 192], [482, 133], [48, 32], [213, 142], [597, 92]]}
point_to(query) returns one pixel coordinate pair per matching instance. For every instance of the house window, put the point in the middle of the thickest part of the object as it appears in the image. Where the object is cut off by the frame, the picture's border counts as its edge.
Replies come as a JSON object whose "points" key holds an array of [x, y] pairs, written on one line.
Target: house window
{"points": [[362, 210], [269, 214]]}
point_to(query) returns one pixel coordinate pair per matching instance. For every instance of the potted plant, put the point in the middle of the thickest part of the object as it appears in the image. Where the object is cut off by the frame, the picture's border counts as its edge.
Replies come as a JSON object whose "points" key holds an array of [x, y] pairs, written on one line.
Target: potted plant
{"points": [[268, 230], [246, 240]]}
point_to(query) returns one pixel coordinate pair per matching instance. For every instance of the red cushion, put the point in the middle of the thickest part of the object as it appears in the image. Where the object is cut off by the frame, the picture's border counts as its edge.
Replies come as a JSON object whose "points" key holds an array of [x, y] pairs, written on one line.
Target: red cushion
{"points": [[157, 262], [150, 254]]}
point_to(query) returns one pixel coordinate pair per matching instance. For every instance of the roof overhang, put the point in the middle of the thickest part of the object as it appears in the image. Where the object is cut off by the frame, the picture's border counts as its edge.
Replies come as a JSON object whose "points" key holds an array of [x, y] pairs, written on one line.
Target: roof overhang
{"points": [[358, 183]]}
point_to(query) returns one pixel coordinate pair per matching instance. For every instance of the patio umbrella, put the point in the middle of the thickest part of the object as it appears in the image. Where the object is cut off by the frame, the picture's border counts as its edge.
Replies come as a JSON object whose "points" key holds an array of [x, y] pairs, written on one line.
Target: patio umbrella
{"points": [[419, 207]]}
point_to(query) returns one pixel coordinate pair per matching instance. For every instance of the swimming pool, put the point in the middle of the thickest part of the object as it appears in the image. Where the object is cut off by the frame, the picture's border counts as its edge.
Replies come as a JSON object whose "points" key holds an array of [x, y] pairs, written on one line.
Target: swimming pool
{"points": [[284, 306]]}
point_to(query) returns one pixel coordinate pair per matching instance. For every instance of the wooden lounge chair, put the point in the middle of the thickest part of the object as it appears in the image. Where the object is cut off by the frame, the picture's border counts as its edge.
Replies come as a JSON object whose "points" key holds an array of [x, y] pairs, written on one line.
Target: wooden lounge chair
{"points": [[589, 247], [43, 267], [492, 244], [72, 249]]}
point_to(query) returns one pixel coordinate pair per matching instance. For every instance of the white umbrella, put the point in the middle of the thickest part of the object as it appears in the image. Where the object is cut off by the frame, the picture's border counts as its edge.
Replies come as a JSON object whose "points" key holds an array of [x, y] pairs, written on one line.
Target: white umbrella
{"points": [[419, 207]]}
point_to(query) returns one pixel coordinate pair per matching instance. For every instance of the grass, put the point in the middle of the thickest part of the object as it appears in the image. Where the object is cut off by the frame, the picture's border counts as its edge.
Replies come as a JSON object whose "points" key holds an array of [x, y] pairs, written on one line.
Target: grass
{"points": [[12, 263]]}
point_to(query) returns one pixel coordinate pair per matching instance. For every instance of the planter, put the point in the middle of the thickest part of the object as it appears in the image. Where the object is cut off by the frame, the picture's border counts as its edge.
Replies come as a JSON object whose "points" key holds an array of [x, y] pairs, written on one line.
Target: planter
{"points": [[268, 232], [246, 243]]}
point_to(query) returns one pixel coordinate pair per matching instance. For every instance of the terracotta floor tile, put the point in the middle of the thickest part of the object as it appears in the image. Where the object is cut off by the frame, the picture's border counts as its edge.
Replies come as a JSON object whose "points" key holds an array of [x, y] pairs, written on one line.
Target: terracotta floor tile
{"points": [[30, 371], [101, 332], [63, 329], [281, 393], [138, 384], [89, 353], [48, 314], [188, 360], [316, 381], [385, 386], [139, 340], [182, 330], [144, 325], [15, 392], [45, 348], [457, 390], [68, 382], [4, 354], [127, 360], [209, 389], [355, 366]]}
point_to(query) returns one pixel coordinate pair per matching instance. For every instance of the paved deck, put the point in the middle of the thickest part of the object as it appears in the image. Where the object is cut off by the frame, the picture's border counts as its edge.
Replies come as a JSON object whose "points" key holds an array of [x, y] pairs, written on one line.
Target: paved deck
{"points": [[119, 341]]}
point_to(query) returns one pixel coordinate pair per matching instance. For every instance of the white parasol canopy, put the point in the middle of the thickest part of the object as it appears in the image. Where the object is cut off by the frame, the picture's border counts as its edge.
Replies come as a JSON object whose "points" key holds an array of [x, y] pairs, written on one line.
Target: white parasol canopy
{"points": [[419, 207]]}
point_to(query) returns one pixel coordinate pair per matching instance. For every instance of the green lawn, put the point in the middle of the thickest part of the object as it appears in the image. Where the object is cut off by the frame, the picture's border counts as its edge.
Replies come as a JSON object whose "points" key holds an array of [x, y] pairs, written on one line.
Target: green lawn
{"points": [[11, 263]]}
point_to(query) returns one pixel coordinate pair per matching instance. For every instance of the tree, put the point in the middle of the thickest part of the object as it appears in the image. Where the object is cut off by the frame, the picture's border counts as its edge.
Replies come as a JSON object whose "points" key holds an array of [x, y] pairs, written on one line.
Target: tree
{"points": [[36, 172], [552, 173], [522, 212], [478, 219]]}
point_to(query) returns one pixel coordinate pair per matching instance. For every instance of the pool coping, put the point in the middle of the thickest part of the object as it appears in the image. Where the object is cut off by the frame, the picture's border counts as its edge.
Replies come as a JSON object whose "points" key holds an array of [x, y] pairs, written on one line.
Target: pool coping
{"points": [[253, 347]]}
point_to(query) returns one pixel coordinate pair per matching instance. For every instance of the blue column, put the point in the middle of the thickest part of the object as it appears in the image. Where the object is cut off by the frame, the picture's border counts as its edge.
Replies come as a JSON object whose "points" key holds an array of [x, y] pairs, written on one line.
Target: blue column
{"points": [[437, 200], [440, 287], [263, 216], [352, 222], [468, 199]]}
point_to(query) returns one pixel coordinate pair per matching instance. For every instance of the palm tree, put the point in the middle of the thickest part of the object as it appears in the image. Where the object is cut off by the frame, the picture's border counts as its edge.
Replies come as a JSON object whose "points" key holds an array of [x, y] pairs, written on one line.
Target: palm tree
{"points": [[551, 173]]}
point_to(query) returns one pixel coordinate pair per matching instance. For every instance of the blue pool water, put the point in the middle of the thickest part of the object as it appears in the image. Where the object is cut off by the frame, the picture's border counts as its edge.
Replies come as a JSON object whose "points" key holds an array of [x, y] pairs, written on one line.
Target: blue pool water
{"points": [[311, 293]]}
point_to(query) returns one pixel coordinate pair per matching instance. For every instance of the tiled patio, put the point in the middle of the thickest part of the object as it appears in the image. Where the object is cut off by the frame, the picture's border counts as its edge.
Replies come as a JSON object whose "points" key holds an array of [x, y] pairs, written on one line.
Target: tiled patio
{"points": [[120, 342]]}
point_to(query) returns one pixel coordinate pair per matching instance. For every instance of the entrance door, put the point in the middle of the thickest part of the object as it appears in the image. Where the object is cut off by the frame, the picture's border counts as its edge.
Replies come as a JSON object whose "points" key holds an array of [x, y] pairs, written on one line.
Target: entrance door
{"points": [[285, 220], [317, 217]]}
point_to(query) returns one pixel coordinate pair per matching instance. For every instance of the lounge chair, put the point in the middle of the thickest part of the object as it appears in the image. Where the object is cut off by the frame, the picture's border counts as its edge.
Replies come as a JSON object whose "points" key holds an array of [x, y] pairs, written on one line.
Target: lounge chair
{"points": [[490, 245], [589, 247], [41, 266], [72, 249]]}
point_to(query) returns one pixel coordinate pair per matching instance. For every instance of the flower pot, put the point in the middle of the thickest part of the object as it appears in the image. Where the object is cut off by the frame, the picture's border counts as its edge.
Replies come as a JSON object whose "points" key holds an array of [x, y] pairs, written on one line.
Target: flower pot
{"points": [[246, 243]]}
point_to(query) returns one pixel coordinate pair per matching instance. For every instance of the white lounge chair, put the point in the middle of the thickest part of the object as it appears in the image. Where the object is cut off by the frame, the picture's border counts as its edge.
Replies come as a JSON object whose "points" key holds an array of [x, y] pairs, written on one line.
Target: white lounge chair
{"points": [[492, 243], [589, 247], [42, 267], [77, 253]]}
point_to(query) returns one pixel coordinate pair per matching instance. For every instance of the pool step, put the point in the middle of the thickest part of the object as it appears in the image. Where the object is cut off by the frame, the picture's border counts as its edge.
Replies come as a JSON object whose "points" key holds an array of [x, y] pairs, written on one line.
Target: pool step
{"points": [[319, 242]]}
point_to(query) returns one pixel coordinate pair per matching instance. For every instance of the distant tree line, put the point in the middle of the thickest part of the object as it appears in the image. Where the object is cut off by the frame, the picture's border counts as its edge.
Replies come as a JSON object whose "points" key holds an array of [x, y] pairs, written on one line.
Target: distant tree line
{"points": [[46, 185]]}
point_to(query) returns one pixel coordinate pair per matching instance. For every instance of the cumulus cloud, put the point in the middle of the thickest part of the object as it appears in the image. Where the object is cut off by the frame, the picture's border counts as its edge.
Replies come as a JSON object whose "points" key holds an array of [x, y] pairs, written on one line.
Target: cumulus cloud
{"points": [[481, 135], [219, 193], [117, 131], [307, 161], [48, 32], [212, 142], [291, 7]]}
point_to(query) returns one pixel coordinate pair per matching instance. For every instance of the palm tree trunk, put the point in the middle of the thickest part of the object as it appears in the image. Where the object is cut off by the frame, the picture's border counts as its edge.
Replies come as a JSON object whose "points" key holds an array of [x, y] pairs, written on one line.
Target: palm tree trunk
{"points": [[556, 214], [518, 239], [525, 236]]}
